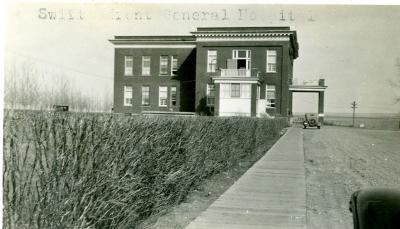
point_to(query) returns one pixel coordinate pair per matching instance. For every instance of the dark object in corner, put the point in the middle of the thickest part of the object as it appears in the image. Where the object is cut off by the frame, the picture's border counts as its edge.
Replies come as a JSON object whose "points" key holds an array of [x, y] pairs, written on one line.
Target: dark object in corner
{"points": [[375, 208]]}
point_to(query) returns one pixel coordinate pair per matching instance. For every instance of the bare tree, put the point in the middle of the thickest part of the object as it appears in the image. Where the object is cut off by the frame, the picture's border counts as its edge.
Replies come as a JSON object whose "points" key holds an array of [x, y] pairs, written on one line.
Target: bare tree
{"points": [[28, 88]]}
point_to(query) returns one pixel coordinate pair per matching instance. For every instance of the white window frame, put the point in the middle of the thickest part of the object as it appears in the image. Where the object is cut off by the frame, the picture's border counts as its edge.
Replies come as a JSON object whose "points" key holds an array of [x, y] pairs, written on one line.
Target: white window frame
{"points": [[210, 95], [128, 94], [164, 59], [128, 71], [235, 56], [270, 104], [225, 90], [172, 90], [174, 65], [162, 96], [271, 61], [146, 71], [212, 56], [145, 94], [233, 93], [245, 90]]}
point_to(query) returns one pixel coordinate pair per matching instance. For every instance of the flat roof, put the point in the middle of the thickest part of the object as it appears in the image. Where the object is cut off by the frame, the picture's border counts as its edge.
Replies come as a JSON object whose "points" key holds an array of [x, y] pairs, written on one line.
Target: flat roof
{"points": [[243, 29], [155, 38]]}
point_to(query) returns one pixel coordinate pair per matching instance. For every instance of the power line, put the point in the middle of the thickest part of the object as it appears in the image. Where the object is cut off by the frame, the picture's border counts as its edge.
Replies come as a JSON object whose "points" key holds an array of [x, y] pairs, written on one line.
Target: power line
{"points": [[58, 65]]}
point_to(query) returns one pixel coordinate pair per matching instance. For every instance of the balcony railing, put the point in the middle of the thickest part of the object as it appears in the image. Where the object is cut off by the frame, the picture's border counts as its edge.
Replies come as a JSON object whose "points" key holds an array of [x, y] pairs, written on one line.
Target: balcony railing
{"points": [[235, 73]]}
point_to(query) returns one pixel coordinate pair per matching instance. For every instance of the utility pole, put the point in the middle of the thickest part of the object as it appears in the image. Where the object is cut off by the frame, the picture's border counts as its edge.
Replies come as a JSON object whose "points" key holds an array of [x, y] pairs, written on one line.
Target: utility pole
{"points": [[354, 106]]}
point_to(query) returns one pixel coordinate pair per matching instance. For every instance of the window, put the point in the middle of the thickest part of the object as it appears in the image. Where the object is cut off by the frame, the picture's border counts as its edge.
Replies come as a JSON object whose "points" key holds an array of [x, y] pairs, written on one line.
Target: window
{"points": [[146, 65], [174, 65], [225, 89], [128, 65], [210, 94], [271, 95], [245, 91], [162, 96], [271, 60], [163, 65], [145, 95], [173, 96], [211, 60], [243, 59], [127, 96], [235, 90]]}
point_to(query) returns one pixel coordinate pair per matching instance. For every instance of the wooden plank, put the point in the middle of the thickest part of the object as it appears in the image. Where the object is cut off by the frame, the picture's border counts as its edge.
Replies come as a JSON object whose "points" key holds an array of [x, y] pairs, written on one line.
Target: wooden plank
{"points": [[271, 194]]}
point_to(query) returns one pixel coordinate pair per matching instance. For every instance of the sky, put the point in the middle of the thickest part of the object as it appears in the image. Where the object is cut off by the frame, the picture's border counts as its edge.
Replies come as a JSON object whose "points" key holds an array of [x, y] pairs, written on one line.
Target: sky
{"points": [[354, 48]]}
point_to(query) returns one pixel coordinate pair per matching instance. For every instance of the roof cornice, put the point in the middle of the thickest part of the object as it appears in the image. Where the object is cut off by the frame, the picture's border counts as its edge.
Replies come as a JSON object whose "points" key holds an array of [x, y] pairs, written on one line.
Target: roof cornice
{"points": [[242, 34]]}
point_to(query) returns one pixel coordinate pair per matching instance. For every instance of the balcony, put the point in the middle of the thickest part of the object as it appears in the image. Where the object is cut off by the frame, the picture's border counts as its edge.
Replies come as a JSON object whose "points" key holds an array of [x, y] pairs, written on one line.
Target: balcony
{"points": [[235, 73]]}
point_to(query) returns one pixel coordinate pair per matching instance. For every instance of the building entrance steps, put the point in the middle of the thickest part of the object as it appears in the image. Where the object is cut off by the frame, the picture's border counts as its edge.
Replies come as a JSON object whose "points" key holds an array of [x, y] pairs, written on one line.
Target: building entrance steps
{"points": [[271, 194]]}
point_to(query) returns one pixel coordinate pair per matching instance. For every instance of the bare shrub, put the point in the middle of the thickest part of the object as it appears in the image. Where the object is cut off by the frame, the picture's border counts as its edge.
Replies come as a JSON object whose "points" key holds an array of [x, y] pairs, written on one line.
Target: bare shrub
{"points": [[64, 170]]}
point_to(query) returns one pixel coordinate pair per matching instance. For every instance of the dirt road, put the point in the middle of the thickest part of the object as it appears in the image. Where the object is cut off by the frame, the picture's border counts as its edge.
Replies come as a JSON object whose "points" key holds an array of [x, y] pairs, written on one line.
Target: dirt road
{"points": [[341, 160]]}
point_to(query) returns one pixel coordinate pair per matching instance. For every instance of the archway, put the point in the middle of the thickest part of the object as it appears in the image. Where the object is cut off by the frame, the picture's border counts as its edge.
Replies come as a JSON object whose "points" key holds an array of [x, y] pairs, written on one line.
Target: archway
{"points": [[309, 87]]}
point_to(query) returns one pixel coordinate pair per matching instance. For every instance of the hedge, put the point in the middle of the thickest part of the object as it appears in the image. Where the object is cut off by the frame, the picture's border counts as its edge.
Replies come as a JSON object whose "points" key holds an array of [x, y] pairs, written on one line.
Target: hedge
{"points": [[76, 170]]}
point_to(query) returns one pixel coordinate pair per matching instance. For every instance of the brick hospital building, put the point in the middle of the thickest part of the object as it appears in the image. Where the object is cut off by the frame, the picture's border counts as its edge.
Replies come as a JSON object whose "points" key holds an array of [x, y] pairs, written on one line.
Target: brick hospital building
{"points": [[222, 71]]}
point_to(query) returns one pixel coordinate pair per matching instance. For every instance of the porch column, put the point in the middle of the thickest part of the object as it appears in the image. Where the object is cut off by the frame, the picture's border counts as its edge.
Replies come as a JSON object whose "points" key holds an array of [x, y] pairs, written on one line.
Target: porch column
{"points": [[253, 106], [216, 102], [321, 105], [290, 105]]}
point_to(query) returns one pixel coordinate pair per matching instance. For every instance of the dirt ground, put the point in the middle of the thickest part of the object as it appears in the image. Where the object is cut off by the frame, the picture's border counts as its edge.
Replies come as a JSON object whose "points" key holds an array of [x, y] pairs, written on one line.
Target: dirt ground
{"points": [[341, 160]]}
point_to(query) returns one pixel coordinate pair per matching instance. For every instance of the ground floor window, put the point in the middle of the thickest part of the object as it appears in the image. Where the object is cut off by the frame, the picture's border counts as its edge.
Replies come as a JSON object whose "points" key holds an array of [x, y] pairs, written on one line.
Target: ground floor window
{"points": [[162, 96], [235, 90], [271, 95], [245, 91], [173, 96], [145, 95], [210, 94], [128, 91]]}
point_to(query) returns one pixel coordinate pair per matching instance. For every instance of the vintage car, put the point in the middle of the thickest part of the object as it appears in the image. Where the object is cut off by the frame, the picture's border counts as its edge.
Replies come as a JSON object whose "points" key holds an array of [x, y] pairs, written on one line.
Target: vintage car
{"points": [[311, 120]]}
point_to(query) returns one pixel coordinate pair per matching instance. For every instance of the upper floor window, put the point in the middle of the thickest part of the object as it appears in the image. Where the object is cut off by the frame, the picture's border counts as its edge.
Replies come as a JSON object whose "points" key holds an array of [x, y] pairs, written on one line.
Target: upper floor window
{"points": [[128, 92], [271, 95], [211, 60], [174, 65], [235, 90], [146, 65], [271, 60], [210, 94], [145, 95], [242, 59], [162, 96], [128, 65], [163, 65], [173, 95]]}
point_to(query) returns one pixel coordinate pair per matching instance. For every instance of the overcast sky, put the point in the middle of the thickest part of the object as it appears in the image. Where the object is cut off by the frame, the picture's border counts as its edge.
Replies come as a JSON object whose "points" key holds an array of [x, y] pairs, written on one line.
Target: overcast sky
{"points": [[353, 47]]}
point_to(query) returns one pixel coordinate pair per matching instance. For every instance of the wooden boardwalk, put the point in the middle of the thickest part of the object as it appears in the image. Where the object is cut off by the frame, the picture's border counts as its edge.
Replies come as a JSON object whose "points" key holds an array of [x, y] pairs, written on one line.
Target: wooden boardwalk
{"points": [[271, 194]]}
